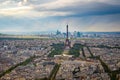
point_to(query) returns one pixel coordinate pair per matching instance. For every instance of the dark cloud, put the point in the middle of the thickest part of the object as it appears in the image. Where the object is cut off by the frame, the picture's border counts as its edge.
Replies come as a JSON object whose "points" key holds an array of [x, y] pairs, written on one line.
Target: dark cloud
{"points": [[86, 9]]}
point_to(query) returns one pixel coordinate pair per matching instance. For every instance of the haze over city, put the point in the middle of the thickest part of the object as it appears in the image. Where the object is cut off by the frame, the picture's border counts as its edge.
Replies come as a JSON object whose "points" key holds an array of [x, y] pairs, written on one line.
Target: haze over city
{"points": [[52, 15]]}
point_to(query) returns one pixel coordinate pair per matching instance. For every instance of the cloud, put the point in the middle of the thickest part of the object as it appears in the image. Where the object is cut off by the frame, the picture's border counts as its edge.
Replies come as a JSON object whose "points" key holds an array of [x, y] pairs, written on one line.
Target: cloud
{"points": [[42, 15], [26, 9], [85, 23], [19, 11], [80, 8], [42, 8], [14, 8]]}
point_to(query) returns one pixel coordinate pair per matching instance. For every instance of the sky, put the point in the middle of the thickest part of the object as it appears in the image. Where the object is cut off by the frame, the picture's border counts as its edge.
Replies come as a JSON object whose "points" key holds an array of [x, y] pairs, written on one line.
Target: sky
{"points": [[52, 15]]}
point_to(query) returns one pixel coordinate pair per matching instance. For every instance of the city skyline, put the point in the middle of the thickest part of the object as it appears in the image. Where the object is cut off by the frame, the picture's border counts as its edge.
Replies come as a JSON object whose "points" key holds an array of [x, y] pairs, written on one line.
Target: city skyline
{"points": [[52, 15]]}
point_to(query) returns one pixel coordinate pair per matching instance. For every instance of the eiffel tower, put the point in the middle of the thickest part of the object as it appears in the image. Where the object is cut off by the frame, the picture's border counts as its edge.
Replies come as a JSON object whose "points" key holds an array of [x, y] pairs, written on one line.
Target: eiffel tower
{"points": [[67, 41]]}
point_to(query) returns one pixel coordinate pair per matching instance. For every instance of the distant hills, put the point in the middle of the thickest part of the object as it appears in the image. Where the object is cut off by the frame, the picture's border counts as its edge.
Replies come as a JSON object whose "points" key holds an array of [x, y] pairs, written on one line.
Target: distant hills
{"points": [[28, 33], [51, 32], [1, 34]]}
